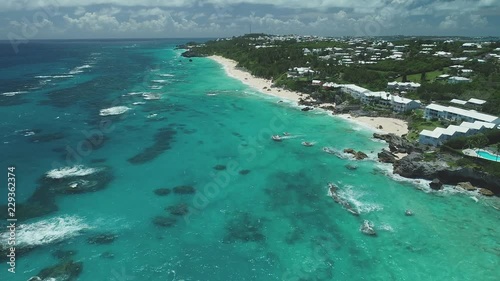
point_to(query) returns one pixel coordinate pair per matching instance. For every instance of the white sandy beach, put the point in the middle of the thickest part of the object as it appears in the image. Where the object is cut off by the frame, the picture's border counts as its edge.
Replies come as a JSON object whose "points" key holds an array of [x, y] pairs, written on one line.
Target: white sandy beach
{"points": [[260, 84], [389, 125]]}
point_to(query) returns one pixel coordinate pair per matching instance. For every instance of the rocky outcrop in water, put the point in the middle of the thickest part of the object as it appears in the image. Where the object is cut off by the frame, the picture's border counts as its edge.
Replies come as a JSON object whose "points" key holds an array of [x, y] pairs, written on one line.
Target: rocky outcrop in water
{"points": [[192, 54], [358, 155], [413, 166], [398, 144], [386, 156], [436, 184]]}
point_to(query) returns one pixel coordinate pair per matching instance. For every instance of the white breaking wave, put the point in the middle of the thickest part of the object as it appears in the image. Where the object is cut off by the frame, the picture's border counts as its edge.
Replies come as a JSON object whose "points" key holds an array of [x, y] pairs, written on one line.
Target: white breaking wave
{"points": [[46, 231], [79, 69], [354, 196], [149, 96], [11, 94], [75, 171], [138, 103], [54, 76], [156, 87], [166, 75], [159, 81], [116, 110]]}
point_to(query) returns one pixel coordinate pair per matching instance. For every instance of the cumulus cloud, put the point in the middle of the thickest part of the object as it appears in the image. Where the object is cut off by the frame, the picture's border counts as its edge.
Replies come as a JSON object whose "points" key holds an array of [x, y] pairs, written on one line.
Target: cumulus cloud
{"points": [[478, 21], [320, 17], [450, 22]]}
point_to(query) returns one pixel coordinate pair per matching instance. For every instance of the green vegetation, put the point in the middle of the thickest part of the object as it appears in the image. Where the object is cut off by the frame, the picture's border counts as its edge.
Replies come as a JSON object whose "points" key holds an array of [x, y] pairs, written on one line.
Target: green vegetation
{"points": [[272, 59], [487, 138]]}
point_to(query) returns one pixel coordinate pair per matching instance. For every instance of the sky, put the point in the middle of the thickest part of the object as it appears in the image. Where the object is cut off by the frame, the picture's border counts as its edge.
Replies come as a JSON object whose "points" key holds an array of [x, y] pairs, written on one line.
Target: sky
{"points": [[68, 19]]}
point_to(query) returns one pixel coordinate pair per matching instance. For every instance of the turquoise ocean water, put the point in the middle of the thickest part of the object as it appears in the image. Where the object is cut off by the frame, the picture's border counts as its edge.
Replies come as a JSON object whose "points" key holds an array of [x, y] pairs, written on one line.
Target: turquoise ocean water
{"points": [[261, 209]]}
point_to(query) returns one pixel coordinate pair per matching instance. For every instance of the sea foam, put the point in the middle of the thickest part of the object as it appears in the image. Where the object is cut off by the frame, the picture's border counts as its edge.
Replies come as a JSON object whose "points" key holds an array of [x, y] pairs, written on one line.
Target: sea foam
{"points": [[11, 94], [79, 69], [46, 231], [116, 110], [75, 171]]}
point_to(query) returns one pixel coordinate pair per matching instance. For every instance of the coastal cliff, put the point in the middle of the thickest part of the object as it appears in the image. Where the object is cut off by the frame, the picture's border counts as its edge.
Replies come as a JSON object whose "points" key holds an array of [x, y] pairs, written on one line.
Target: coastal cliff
{"points": [[430, 165]]}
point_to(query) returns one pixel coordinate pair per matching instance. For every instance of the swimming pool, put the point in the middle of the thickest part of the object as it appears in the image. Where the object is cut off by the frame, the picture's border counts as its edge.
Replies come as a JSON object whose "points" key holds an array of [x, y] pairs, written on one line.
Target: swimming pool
{"points": [[487, 155]]}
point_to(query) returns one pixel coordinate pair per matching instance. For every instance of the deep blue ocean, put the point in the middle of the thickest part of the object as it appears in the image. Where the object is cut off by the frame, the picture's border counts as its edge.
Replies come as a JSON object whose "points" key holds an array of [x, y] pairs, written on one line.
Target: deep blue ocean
{"points": [[134, 163]]}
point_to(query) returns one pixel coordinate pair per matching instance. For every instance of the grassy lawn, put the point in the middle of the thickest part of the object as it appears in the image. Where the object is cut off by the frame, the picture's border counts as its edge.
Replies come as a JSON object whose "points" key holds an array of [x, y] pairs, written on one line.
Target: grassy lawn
{"points": [[430, 76], [418, 126]]}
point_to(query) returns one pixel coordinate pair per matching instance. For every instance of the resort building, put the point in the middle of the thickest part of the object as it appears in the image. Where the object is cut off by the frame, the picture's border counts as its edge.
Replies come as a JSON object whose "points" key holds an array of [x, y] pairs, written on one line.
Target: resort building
{"points": [[402, 86], [436, 111], [439, 135], [396, 103]]}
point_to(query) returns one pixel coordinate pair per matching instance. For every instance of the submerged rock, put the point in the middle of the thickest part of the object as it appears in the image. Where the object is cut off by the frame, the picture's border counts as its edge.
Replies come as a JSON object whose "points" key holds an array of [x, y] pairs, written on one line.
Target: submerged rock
{"points": [[244, 172], [244, 228], [180, 209], [184, 189], [107, 255], [162, 191], [163, 221], [65, 271], [219, 167], [103, 238], [351, 167]]}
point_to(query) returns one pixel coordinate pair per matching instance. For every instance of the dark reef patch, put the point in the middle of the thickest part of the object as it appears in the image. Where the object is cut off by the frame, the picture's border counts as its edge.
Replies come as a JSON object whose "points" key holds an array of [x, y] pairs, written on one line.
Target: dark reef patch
{"points": [[184, 189], [180, 209], [220, 167], [107, 255], [12, 100], [162, 191], [41, 203], [102, 238], [163, 221], [46, 137], [244, 172], [163, 140], [65, 271], [244, 228]]}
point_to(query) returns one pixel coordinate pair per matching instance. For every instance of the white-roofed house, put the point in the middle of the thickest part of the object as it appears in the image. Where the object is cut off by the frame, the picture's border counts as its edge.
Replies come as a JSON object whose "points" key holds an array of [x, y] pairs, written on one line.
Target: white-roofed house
{"points": [[454, 113], [458, 101], [458, 79], [475, 103]]}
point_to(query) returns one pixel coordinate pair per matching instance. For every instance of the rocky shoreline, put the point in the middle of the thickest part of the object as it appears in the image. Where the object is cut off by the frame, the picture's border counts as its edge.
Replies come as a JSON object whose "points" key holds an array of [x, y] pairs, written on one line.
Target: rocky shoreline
{"points": [[415, 165]]}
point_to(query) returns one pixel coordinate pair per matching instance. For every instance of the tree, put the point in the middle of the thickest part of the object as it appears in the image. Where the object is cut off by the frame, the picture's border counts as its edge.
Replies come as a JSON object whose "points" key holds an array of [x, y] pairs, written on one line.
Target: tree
{"points": [[423, 77]]}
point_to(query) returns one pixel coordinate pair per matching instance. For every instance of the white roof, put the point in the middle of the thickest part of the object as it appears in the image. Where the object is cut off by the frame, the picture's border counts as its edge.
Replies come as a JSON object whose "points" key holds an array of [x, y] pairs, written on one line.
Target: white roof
{"points": [[457, 101], [355, 88], [476, 125], [463, 112], [432, 134], [458, 78], [476, 101]]}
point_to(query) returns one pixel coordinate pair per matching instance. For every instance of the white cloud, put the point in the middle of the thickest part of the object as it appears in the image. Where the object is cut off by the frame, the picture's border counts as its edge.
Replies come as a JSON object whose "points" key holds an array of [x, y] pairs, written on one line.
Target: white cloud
{"points": [[478, 21], [450, 22]]}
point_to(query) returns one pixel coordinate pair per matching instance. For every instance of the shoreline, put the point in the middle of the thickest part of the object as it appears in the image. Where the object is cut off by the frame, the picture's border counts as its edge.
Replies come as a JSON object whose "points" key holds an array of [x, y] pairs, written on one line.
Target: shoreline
{"points": [[264, 86]]}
